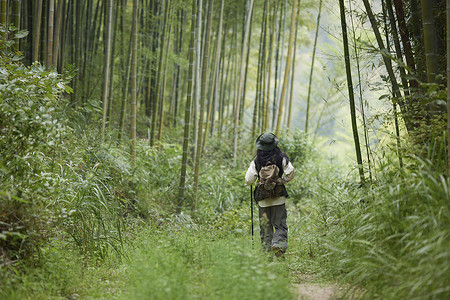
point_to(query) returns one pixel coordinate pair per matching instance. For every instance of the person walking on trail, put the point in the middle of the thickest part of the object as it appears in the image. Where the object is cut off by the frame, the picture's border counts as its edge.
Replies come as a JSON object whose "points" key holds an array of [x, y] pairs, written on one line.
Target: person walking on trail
{"points": [[273, 170]]}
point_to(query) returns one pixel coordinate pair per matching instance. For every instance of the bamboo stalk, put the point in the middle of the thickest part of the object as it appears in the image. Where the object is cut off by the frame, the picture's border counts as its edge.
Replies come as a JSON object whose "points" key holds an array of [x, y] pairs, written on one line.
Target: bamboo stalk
{"points": [[350, 92], [163, 83], [387, 63], [106, 67], [133, 82], [308, 98], [57, 39], [241, 77], [430, 40], [16, 16], [3, 13], [448, 85], [289, 118], [361, 100], [51, 18], [288, 65], [187, 112], [205, 67], [37, 30], [214, 74], [269, 75]]}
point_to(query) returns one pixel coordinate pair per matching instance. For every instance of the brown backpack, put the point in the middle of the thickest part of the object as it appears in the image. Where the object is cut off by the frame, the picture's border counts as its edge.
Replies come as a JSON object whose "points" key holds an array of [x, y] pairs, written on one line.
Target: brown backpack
{"points": [[268, 176]]}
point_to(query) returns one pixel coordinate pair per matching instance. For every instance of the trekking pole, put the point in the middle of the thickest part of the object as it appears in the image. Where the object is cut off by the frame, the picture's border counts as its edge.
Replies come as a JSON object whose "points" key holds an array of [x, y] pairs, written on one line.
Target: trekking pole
{"points": [[251, 205]]}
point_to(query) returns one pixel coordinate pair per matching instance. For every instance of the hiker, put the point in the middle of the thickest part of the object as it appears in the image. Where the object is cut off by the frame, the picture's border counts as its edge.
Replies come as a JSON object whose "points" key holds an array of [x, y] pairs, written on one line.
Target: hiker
{"points": [[269, 166]]}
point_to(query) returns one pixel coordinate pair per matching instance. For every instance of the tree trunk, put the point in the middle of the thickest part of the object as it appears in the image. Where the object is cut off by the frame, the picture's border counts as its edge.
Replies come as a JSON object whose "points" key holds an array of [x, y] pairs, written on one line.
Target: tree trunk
{"points": [[125, 69], [162, 67], [222, 82], [76, 45], [277, 63], [240, 82], [150, 103], [308, 98], [388, 64], [16, 16], [225, 87], [4, 13], [398, 49], [111, 68], [215, 73], [67, 37], [51, 18], [404, 35], [394, 105], [163, 80], [187, 112], [293, 71], [286, 71], [244, 92], [134, 31], [269, 75], [177, 77], [430, 40], [106, 67], [205, 67], [448, 85], [415, 21], [37, 29], [259, 77], [90, 41], [350, 91], [44, 32], [280, 71], [57, 39], [158, 101], [124, 99], [235, 73], [197, 78], [361, 99], [264, 62], [417, 38]]}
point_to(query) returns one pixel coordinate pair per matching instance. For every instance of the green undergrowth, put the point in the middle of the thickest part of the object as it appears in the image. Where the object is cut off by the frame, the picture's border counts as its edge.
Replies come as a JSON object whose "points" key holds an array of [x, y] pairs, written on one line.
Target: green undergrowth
{"points": [[385, 240], [61, 273], [174, 261], [194, 264], [71, 203]]}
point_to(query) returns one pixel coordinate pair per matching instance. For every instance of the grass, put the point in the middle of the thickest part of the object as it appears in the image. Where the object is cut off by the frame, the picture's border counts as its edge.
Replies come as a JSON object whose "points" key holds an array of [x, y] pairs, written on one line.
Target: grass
{"points": [[170, 262], [193, 264], [61, 273], [387, 241]]}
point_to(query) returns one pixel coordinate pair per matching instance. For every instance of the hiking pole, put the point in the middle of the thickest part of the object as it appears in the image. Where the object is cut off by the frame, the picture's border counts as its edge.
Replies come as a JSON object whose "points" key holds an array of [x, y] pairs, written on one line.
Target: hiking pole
{"points": [[251, 206]]}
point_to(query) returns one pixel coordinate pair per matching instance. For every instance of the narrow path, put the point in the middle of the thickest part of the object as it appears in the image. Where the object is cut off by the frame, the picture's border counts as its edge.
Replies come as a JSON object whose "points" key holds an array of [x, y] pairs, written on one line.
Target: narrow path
{"points": [[315, 291], [308, 289]]}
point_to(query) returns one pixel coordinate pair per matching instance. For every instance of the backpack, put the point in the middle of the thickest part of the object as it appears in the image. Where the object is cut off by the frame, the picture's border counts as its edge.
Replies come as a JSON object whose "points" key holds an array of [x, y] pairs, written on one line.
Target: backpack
{"points": [[267, 186], [268, 176]]}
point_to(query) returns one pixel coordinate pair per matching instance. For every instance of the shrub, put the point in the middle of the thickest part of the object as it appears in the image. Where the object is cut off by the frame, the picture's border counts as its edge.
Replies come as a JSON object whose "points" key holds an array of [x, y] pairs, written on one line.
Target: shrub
{"points": [[30, 128], [391, 238]]}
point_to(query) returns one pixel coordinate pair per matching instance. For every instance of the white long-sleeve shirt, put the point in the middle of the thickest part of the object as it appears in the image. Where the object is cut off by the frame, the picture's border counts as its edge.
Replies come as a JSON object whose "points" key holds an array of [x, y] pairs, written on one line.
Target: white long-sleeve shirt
{"points": [[252, 175]]}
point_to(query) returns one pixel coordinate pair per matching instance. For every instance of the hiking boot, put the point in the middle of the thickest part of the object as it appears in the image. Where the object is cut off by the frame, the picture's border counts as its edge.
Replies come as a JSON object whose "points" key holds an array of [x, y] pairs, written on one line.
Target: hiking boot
{"points": [[278, 252]]}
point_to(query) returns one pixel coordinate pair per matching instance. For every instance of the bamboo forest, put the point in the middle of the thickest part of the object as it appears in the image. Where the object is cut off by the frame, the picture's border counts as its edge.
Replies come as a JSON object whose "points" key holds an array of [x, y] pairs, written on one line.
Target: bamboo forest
{"points": [[212, 149]]}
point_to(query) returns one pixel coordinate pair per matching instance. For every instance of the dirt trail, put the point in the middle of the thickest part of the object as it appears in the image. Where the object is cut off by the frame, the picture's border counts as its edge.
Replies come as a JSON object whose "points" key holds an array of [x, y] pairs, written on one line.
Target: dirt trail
{"points": [[307, 289], [313, 291]]}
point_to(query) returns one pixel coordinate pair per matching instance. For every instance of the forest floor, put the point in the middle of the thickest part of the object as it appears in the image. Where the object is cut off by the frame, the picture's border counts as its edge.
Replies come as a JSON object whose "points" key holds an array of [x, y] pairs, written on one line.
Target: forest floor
{"points": [[176, 263], [310, 289], [193, 265]]}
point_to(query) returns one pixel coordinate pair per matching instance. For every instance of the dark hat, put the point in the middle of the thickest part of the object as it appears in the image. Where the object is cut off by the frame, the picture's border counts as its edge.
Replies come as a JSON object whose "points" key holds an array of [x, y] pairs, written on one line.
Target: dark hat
{"points": [[266, 141]]}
